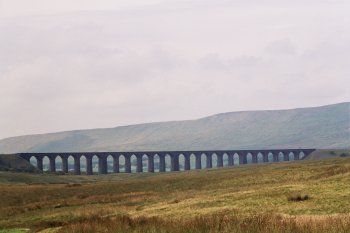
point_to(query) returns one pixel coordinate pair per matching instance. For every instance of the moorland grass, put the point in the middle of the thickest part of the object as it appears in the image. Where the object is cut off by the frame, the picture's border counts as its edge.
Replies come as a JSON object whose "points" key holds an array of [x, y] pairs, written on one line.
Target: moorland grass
{"points": [[249, 198]]}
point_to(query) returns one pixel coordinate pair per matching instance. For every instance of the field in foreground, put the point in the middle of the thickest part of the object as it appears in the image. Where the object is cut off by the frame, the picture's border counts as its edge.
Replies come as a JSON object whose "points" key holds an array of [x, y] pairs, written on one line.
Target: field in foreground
{"points": [[250, 198]]}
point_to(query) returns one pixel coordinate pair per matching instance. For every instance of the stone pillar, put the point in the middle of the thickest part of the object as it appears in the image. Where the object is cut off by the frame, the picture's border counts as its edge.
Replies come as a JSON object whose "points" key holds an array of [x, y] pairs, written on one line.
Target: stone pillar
{"points": [[220, 162], [198, 161], [39, 161], [242, 158], [187, 162], [127, 164], [161, 162], [64, 163], [297, 155], [116, 163], [286, 156], [275, 156], [265, 157], [102, 164], [139, 167], [230, 159], [209, 160], [52, 164], [89, 165], [255, 157], [150, 163], [77, 165], [175, 162], [245, 158]]}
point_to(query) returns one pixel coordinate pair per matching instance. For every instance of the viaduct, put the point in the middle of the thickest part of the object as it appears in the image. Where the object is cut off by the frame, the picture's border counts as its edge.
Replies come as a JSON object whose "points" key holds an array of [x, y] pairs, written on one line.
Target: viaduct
{"points": [[231, 157]]}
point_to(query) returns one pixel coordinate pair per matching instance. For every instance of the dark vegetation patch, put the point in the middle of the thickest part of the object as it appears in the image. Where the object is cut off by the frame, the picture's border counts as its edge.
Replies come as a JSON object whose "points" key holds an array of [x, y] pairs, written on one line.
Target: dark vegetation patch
{"points": [[298, 197]]}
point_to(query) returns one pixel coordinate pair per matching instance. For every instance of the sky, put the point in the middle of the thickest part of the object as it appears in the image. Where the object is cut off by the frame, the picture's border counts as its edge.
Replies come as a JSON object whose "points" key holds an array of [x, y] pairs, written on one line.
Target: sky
{"points": [[68, 65]]}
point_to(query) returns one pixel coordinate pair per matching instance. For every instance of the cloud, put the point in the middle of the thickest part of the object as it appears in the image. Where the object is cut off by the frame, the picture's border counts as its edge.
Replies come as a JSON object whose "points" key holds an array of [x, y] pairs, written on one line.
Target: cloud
{"points": [[166, 61]]}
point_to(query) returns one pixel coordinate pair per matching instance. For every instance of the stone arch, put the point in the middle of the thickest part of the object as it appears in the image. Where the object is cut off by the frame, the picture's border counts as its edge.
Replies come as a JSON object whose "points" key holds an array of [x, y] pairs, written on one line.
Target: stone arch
{"points": [[168, 162], [269, 157], [110, 163], [121, 159], [59, 163], [260, 157], [203, 160], [46, 163], [214, 159], [133, 162], [70, 163], [83, 163], [182, 162], [156, 162], [225, 159], [249, 157], [95, 164], [302, 154], [235, 159], [34, 161], [192, 161], [280, 156], [291, 156], [146, 160]]}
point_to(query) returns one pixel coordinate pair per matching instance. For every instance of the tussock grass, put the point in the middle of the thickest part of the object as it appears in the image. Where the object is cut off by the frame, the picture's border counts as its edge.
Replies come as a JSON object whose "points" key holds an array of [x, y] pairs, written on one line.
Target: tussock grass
{"points": [[265, 223], [250, 198]]}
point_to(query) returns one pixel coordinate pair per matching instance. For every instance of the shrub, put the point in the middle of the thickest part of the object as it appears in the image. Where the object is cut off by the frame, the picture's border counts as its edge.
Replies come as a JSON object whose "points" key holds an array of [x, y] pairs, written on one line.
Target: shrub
{"points": [[298, 197]]}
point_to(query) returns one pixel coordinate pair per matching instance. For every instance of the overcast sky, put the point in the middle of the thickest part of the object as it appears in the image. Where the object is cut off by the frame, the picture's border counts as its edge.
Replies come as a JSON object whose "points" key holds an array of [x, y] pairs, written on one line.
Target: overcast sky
{"points": [[81, 64]]}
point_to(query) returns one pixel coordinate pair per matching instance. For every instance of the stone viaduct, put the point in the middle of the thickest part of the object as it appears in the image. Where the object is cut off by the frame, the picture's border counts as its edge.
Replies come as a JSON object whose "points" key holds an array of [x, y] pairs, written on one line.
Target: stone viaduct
{"points": [[173, 157]]}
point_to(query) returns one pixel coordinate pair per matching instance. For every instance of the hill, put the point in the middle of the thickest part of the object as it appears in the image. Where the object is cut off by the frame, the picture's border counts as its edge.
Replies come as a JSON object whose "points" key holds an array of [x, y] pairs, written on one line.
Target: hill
{"points": [[15, 163], [249, 198], [318, 127]]}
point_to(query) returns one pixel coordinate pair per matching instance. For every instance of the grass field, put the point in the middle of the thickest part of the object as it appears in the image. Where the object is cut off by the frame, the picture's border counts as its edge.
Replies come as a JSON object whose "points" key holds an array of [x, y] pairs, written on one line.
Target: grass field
{"points": [[249, 198]]}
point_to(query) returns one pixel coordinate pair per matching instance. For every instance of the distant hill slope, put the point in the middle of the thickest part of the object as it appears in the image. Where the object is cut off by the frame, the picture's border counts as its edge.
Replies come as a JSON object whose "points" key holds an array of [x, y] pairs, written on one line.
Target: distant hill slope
{"points": [[318, 127]]}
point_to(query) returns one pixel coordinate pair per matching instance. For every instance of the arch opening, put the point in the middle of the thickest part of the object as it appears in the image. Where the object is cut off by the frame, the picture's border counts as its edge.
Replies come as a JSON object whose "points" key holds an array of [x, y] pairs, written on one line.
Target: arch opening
{"points": [[33, 161], [203, 160], [225, 159], [214, 159], [167, 158], [145, 159], [110, 164], [270, 157], [235, 159], [46, 163], [181, 162], [291, 156], [133, 162], [260, 157], [59, 163], [82, 164], [70, 164], [280, 156], [95, 164], [249, 158], [192, 161], [121, 163], [156, 162]]}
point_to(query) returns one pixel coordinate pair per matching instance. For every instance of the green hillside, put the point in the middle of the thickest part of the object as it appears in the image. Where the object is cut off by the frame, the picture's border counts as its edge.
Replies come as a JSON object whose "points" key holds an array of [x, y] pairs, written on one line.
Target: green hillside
{"points": [[320, 127]]}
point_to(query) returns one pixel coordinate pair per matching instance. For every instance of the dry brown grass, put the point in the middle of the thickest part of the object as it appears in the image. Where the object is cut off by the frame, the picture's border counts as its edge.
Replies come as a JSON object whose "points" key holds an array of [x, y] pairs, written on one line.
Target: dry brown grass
{"points": [[252, 198], [263, 223]]}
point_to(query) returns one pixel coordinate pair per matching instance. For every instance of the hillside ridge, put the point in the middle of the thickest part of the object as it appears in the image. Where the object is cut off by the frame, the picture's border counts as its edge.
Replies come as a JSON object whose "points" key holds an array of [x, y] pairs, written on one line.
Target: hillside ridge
{"points": [[322, 127]]}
